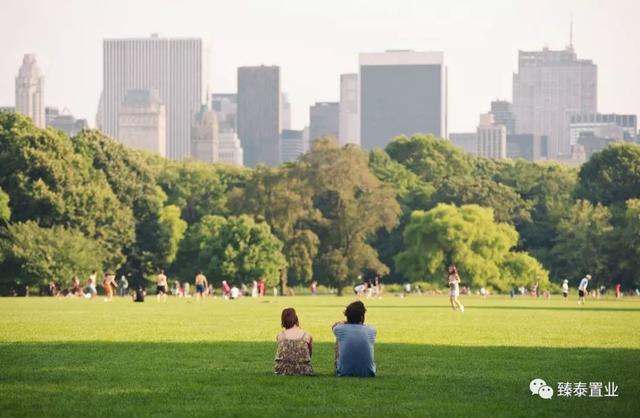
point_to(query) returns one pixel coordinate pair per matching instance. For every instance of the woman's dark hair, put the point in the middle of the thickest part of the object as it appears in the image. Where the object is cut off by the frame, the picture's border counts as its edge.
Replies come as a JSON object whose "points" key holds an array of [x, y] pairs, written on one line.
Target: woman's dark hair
{"points": [[355, 313], [289, 318]]}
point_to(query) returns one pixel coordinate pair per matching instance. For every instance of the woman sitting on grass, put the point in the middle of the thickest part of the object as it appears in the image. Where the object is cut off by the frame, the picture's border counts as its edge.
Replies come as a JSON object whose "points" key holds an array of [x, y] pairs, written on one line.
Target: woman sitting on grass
{"points": [[293, 356]]}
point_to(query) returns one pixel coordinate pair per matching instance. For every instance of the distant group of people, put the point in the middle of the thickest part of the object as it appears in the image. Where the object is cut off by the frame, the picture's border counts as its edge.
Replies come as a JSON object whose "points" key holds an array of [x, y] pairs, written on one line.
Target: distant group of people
{"points": [[368, 288], [353, 350]]}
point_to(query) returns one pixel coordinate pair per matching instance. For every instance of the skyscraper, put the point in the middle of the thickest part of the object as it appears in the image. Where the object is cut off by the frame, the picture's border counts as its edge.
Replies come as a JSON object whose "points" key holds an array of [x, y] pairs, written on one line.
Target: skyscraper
{"points": [[349, 129], [142, 121], [204, 136], [259, 114], [401, 92], [173, 67], [503, 115], [492, 138], [30, 91], [549, 87], [291, 145], [324, 120]]}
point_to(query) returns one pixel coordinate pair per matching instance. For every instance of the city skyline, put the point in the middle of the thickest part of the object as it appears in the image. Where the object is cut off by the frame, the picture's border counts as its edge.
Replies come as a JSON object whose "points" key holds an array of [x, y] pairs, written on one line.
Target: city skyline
{"points": [[479, 44]]}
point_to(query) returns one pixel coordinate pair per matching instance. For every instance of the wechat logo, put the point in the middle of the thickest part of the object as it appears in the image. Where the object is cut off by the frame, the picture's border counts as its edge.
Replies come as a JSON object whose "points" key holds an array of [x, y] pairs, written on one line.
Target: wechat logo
{"points": [[539, 387]]}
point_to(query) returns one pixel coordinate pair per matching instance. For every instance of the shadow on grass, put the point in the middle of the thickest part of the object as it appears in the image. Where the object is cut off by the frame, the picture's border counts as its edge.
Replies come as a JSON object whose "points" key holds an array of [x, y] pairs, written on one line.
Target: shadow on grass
{"points": [[234, 378]]}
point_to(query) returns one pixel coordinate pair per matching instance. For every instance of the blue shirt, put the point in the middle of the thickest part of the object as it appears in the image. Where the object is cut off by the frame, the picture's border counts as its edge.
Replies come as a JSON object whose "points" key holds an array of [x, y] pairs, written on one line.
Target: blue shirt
{"points": [[355, 350]]}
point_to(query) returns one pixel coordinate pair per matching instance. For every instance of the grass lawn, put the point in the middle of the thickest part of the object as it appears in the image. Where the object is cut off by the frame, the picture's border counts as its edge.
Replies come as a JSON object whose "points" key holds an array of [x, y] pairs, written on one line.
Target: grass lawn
{"points": [[62, 357]]}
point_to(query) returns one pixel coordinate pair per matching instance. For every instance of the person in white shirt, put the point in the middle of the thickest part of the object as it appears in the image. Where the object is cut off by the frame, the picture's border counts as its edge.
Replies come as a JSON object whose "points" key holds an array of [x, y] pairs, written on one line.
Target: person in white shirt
{"points": [[582, 288], [565, 289], [454, 288]]}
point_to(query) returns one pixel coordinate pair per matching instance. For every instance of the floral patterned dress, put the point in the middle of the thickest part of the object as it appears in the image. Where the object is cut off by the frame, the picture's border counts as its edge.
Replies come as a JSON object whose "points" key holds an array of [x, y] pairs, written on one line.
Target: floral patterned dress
{"points": [[293, 358]]}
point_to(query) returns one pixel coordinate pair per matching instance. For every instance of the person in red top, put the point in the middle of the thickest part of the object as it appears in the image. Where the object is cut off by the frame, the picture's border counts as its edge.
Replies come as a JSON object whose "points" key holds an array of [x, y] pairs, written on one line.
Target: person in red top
{"points": [[618, 287], [262, 287], [226, 289]]}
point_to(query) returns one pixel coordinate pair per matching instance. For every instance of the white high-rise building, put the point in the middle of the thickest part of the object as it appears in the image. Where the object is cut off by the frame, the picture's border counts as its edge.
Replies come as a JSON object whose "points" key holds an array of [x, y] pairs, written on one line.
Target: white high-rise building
{"points": [[349, 130], [30, 91], [230, 150], [142, 121], [175, 67], [492, 138], [548, 89]]}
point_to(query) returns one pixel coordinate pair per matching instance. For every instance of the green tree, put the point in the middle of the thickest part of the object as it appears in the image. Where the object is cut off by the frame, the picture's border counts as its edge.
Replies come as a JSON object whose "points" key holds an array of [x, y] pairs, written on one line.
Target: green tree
{"points": [[611, 175], [430, 158], [35, 255], [583, 243], [5, 211], [354, 205], [283, 198], [52, 185], [194, 187], [236, 249], [466, 236], [133, 180]]}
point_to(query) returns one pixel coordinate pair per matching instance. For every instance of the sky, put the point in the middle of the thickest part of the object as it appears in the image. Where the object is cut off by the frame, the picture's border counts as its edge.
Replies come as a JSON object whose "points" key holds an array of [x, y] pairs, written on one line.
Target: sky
{"points": [[313, 42]]}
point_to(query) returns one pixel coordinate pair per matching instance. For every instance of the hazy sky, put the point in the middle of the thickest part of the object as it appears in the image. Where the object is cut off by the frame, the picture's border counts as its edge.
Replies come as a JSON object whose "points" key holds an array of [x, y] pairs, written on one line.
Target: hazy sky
{"points": [[314, 41]]}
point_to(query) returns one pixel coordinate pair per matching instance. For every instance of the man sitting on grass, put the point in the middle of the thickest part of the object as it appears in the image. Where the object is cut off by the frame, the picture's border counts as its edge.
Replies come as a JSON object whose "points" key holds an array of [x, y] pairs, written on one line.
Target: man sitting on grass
{"points": [[354, 344]]}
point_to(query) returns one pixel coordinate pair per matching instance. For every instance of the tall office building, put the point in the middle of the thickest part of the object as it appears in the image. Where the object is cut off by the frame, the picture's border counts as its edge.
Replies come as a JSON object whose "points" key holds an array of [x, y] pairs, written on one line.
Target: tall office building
{"points": [[502, 112], [142, 121], [204, 136], [226, 107], [175, 68], [291, 145], [259, 114], [492, 138], [324, 120], [349, 129], [549, 87], [30, 91], [401, 93], [285, 112], [612, 126]]}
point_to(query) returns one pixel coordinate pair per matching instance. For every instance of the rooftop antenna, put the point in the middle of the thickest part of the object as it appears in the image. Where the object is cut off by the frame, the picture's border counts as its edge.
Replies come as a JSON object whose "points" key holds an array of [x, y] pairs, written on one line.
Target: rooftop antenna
{"points": [[571, 32]]}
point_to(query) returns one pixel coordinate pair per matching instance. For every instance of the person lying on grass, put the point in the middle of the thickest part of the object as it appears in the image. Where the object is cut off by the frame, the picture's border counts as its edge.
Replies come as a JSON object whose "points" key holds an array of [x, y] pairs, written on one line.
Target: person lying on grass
{"points": [[354, 344], [293, 356]]}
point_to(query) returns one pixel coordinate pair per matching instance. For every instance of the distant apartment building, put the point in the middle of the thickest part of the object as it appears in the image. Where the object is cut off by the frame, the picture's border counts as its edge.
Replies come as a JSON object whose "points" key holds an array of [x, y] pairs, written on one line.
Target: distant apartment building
{"points": [[259, 114], [65, 122], [324, 120], [401, 93], [502, 112], [174, 67], [229, 149], [550, 87], [142, 121], [349, 123], [291, 145], [468, 141], [204, 136], [613, 126], [492, 138], [30, 91]]}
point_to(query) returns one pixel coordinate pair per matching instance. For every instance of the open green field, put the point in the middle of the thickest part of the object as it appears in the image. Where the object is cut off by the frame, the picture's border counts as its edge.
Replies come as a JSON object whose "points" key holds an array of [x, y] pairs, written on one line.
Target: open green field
{"points": [[73, 357]]}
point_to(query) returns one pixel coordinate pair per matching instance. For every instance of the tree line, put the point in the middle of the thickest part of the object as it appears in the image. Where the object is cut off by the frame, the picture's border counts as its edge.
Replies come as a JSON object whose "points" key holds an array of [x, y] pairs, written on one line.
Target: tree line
{"points": [[336, 215]]}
